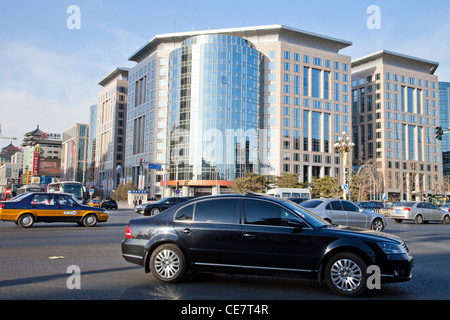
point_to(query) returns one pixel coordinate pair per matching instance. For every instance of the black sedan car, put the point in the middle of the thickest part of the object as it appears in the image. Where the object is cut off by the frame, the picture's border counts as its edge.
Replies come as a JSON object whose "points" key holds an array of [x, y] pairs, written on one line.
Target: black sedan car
{"points": [[109, 204], [258, 234], [154, 208]]}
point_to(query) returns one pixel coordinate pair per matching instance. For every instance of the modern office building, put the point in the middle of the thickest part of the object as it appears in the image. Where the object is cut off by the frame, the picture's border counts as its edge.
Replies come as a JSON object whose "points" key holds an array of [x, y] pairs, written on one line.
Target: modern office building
{"points": [[74, 153], [210, 105], [444, 122], [90, 175], [110, 130], [394, 115]]}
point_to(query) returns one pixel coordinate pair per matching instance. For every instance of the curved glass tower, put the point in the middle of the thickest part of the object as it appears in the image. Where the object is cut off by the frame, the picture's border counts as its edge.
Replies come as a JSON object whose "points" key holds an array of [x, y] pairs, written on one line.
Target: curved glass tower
{"points": [[213, 108]]}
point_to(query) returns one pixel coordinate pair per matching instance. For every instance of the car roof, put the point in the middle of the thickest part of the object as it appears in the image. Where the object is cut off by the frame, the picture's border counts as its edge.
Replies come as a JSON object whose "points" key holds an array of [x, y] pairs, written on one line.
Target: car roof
{"points": [[247, 195]]}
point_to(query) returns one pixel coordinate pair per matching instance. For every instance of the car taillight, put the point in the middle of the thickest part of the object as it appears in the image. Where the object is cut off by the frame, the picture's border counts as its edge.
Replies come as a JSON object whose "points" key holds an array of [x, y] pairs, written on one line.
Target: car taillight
{"points": [[128, 233], [407, 209]]}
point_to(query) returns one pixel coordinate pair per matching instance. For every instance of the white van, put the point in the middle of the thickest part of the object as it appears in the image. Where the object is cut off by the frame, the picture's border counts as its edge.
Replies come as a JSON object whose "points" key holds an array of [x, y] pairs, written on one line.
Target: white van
{"points": [[290, 193]]}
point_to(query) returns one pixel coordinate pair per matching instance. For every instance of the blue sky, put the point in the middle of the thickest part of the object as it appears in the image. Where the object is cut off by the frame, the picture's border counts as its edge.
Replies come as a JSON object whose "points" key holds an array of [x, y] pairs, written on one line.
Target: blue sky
{"points": [[49, 74]]}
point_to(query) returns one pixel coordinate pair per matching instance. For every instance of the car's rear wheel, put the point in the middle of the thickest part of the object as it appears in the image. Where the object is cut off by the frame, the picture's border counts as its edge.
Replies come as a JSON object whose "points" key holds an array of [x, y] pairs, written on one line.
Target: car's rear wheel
{"points": [[377, 225], [418, 219], [26, 220], [345, 274], [167, 263], [90, 220], [446, 220]]}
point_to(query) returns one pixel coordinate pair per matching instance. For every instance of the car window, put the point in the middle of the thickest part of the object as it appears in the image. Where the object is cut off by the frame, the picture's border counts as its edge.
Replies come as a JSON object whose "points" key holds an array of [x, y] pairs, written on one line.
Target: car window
{"points": [[63, 200], [334, 205], [42, 199], [186, 213], [422, 205], [265, 213], [217, 211], [432, 206], [348, 206], [311, 203]]}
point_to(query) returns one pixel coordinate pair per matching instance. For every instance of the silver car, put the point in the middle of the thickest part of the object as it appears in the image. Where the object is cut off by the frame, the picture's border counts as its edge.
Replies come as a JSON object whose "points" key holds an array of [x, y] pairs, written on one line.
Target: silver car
{"points": [[446, 207], [345, 213], [419, 212]]}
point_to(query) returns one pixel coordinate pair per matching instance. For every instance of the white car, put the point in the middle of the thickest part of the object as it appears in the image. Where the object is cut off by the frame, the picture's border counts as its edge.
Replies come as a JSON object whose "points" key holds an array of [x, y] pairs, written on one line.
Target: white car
{"points": [[346, 213], [419, 212]]}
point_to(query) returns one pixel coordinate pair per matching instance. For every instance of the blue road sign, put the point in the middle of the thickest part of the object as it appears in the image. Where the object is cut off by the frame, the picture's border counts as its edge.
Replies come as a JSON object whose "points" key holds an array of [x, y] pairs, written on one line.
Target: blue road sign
{"points": [[154, 166]]}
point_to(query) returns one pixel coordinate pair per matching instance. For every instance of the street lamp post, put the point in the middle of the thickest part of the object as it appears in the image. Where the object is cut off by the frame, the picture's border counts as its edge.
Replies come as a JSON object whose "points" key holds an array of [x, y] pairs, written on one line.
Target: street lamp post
{"points": [[344, 146]]}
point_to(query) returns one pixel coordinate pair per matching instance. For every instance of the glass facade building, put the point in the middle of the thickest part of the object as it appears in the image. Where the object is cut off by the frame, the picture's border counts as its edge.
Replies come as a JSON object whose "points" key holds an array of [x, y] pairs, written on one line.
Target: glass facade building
{"points": [[444, 121], [210, 105], [213, 108]]}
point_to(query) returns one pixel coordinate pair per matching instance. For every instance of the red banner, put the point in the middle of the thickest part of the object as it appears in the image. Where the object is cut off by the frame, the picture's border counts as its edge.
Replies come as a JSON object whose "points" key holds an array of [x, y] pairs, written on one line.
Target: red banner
{"points": [[36, 163]]}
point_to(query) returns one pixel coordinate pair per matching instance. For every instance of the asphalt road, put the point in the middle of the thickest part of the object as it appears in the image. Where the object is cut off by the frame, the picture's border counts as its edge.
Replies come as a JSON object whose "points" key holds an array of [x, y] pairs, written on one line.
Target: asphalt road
{"points": [[38, 264]]}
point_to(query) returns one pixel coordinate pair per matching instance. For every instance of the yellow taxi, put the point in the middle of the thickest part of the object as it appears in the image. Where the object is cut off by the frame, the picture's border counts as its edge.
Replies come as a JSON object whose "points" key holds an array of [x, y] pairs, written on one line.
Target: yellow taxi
{"points": [[29, 208], [95, 203]]}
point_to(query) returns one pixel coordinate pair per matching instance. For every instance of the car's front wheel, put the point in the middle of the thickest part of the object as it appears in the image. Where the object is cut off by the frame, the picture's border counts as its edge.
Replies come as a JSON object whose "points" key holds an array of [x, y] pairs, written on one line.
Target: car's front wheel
{"points": [[345, 274], [167, 263], [90, 220], [377, 225], [154, 211]]}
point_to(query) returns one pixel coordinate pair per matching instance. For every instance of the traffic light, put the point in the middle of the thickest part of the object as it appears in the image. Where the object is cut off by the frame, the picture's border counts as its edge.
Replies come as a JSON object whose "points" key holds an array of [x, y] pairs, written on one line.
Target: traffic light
{"points": [[140, 162], [439, 133]]}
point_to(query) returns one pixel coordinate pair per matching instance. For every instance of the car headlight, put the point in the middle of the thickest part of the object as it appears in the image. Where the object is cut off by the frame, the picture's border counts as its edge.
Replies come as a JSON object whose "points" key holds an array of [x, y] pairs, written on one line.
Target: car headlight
{"points": [[392, 248]]}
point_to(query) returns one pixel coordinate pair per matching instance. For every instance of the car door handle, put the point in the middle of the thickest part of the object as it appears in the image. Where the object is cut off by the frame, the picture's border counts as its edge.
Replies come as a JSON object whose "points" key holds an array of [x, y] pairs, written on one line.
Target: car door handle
{"points": [[249, 235], [187, 231]]}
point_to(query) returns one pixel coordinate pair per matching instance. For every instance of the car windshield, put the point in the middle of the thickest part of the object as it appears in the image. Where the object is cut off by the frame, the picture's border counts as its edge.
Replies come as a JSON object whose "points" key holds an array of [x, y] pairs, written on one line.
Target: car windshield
{"points": [[312, 218], [19, 197]]}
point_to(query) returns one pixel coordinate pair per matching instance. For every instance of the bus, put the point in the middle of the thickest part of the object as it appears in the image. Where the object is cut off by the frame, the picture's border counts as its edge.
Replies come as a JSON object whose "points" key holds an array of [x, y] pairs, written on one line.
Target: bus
{"points": [[30, 188], [290, 193], [74, 187]]}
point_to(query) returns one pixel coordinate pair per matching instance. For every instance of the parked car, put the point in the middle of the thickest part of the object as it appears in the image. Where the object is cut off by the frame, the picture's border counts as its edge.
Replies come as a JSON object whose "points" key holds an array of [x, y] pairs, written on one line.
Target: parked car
{"points": [[419, 212], [154, 208], [259, 234], [109, 204], [346, 213], [29, 208]]}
